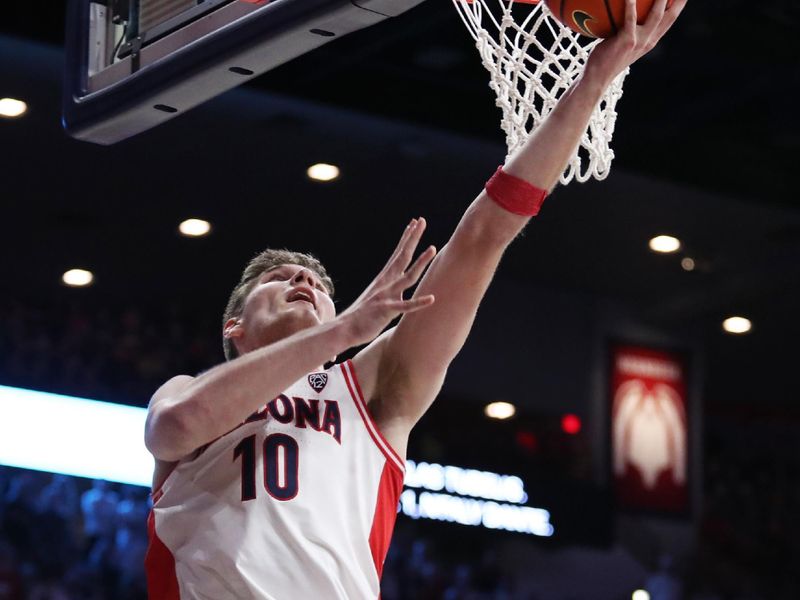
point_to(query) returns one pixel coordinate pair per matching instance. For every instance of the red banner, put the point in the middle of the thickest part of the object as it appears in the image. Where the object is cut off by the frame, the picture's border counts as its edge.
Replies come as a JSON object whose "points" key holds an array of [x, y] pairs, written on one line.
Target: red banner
{"points": [[649, 429]]}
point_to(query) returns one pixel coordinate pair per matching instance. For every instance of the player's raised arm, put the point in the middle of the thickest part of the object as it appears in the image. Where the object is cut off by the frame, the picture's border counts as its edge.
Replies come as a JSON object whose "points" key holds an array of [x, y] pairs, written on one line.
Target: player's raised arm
{"points": [[403, 370], [543, 158], [186, 412]]}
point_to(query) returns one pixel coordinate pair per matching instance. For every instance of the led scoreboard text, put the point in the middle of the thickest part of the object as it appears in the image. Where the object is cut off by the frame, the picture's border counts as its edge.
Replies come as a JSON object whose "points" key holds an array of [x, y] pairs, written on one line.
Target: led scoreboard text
{"points": [[471, 497]]}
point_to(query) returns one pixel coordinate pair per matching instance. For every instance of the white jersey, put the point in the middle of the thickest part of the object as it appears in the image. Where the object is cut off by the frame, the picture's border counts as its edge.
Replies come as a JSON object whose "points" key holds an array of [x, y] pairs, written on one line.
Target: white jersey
{"points": [[298, 502]]}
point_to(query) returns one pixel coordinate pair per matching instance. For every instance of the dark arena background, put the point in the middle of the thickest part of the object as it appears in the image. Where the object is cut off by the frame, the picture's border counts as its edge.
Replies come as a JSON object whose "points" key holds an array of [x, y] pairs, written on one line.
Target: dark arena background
{"points": [[690, 490]]}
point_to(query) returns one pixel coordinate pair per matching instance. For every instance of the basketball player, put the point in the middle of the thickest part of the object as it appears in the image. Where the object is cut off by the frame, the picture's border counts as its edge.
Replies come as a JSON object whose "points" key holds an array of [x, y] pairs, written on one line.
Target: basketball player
{"points": [[278, 479]]}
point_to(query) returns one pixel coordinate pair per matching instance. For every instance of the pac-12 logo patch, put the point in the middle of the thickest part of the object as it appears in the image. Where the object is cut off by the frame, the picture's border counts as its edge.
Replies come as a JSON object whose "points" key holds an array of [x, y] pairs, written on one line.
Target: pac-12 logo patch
{"points": [[318, 381]]}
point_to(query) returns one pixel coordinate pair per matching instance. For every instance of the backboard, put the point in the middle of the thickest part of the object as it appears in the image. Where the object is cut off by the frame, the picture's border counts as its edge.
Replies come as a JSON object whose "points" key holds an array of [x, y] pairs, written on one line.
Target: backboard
{"points": [[134, 64]]}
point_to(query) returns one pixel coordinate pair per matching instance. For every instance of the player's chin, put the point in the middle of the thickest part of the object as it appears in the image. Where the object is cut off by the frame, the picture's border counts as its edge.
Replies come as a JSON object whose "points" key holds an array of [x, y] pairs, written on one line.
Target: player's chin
{"points": [[303, 313]]}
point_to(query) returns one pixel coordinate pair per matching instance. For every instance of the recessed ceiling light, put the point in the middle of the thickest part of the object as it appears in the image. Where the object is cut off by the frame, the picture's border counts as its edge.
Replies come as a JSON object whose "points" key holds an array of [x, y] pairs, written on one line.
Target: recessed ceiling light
{"points": [[323, 172], [640, 595], [665, 244], [500, 410], [77, 278], [194, 227], [11, 108], [688, 264], [737, 325]]}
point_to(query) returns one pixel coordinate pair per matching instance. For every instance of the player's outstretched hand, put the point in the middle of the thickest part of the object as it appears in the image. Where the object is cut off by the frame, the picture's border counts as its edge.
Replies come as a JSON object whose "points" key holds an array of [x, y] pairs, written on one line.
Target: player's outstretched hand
{"points": [[383, 300], [612, 56]]}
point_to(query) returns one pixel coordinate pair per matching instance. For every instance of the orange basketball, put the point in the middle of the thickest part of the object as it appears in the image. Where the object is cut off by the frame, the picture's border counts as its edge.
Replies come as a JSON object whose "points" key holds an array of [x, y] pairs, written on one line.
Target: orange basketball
{"points": [[596, 18]]}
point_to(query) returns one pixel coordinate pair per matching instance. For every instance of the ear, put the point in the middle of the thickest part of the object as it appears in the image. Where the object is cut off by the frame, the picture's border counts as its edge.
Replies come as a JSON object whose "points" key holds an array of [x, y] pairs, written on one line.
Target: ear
{"points": [[232, 329]]}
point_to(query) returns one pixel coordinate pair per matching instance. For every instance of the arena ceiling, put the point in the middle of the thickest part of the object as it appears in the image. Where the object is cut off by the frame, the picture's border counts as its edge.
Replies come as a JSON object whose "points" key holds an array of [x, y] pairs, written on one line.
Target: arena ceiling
{"points": [[713, 106], [705, 143]]}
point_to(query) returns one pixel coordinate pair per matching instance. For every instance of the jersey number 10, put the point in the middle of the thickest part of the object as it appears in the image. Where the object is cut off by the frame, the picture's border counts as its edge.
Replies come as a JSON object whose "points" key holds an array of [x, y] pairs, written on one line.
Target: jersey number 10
{"points": [[281, 462]]}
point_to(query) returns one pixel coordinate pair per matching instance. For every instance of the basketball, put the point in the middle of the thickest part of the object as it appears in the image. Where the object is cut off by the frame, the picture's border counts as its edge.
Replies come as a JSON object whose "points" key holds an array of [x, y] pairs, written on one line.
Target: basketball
{"points": [[596, 18]]}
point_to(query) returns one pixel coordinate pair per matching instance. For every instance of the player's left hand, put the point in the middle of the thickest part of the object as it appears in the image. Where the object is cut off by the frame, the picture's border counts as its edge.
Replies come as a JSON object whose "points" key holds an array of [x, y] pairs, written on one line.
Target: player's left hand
{"points": [[613, 55], [383, 300]]}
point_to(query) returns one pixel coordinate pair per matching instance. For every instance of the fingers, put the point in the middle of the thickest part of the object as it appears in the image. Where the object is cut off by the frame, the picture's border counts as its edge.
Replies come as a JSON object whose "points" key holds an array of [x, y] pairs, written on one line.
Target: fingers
{"points": [[660, 18], [677, 6], [670, 16], [404, 251], [639, 40], [414, 236], [416, 270], [415, 304], [630, 15], [411, 305], [661, 22], [403, 240], [656, 13]]}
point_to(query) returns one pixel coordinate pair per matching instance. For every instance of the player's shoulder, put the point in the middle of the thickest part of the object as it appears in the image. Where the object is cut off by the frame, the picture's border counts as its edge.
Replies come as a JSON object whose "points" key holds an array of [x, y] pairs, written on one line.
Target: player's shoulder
{"points": [[172, 386], [367, 364]]}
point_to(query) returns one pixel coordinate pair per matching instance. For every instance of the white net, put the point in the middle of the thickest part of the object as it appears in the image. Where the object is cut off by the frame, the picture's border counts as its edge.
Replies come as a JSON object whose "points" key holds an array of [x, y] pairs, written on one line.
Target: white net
{"points": [[532, 60]]}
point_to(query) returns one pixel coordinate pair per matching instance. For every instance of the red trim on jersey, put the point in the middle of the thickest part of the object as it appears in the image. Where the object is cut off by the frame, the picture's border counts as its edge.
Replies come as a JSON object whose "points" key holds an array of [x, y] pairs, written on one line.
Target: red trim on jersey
{"points": [[354, 388], [159, 565], [352, 371], [159, 491], [380, 536]]}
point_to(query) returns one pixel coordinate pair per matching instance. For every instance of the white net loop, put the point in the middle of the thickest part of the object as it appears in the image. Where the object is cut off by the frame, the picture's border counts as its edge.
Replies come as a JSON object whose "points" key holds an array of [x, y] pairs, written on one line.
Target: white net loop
{"points": [[532, 60]]}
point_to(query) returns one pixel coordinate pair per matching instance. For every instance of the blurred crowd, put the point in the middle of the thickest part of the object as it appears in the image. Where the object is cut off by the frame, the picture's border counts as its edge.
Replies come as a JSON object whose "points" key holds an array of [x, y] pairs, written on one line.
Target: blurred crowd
{"points": [[65, 538], [418, 568], [749, 542], [119, 356]]}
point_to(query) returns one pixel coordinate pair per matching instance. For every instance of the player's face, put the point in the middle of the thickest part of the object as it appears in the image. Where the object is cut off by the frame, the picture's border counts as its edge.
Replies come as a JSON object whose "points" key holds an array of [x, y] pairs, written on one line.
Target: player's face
{"points": [[286, 299]]}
